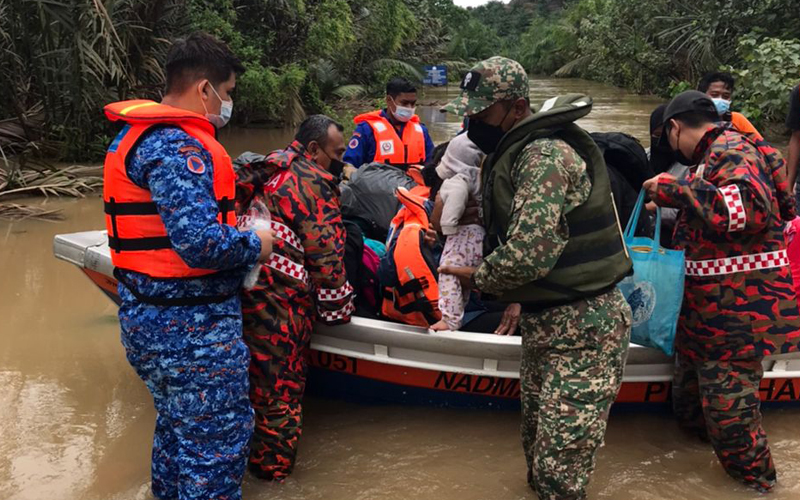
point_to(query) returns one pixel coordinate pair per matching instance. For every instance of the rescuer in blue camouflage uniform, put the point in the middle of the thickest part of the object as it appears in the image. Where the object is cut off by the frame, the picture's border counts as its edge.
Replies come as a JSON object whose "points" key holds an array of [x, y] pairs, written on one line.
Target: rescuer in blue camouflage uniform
{"points": [[557, 250], [188, 350]]}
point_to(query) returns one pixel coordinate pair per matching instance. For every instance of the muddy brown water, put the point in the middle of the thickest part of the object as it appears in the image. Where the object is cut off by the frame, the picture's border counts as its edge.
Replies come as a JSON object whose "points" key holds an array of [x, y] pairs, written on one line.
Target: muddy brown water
{"points": [[76, 422]]}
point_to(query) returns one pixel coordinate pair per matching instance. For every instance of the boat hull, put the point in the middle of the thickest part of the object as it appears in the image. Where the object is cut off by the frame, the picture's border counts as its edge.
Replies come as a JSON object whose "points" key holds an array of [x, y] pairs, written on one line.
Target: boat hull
{"points": [[380, 361]]}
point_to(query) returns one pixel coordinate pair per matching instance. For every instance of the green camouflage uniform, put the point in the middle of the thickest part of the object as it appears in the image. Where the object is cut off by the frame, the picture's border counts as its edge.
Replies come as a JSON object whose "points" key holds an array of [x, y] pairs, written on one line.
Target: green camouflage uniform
{"points": [[572, 356]]}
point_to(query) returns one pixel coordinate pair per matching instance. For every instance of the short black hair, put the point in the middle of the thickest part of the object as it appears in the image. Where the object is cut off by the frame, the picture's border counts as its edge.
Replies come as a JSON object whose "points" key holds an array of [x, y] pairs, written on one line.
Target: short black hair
{"points": [[694, 119], [398, 85], [717, 76], [315, 129], [199, 56]]}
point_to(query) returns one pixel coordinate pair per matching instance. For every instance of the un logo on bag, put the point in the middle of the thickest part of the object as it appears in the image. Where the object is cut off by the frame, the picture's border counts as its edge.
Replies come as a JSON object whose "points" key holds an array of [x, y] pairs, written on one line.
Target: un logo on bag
{"points": [[642, 301]]}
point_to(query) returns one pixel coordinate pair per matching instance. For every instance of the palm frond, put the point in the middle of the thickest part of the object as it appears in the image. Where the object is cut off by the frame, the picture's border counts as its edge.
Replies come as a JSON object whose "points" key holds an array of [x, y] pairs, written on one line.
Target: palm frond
{"points": [[573, 67], [349, 91], [402, 66]]}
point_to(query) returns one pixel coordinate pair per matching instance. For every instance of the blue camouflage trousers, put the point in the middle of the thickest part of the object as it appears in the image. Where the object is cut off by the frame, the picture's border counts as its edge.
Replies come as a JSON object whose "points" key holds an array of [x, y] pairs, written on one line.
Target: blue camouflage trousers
{"points": [[194, 362]]}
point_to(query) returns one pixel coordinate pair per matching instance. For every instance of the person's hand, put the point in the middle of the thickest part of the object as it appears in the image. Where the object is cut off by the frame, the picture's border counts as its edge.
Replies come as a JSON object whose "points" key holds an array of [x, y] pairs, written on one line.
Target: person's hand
{"points": [[463, 273], [436, 213], [430, 237], [266, 236], [510, 320], [651, 185], [347, 171], [471, 215], [651, 207]]}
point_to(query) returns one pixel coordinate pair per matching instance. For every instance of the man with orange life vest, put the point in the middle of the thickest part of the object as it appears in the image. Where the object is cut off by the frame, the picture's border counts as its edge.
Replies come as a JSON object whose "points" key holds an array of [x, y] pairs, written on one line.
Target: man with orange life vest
{"points": [[169, 190], [392, 135], [304, 280]]}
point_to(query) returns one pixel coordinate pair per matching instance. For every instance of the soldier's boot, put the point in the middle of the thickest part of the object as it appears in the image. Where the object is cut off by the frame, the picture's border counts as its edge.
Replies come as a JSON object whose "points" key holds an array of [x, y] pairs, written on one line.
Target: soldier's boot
{"points": [[732, 410], [686, 401]]}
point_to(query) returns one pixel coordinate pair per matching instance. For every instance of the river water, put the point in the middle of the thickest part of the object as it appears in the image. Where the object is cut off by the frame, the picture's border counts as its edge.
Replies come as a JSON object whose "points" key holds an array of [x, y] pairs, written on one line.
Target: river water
{"points": [[76, 422]]}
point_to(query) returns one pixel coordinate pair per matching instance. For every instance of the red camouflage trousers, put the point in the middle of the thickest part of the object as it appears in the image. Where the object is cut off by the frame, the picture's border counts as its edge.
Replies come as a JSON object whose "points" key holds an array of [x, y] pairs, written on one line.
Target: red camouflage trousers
{"points": [[719, 401], [278, 334]]}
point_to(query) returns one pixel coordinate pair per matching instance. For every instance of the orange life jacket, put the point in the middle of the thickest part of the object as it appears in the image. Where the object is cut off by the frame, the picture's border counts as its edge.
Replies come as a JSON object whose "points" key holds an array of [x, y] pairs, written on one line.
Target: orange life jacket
{"points": [[414, 299], [136, 234], [389, 147]]}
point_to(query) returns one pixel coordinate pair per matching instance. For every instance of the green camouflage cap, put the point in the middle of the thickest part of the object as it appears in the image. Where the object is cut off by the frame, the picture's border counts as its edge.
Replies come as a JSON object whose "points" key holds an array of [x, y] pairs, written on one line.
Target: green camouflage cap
{"points": [[495, 79]]}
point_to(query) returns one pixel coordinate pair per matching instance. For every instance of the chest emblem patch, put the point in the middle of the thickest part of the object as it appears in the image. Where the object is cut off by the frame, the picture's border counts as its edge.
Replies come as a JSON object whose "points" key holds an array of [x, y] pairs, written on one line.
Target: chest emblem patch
{"points": [[195, 165]]}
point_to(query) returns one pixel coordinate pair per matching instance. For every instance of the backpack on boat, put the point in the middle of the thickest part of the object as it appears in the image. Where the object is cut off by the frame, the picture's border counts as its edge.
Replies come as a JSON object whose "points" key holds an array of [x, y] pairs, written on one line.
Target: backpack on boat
{"points": [[626, 155], [361, 265], [628, 168], [408, 270]]}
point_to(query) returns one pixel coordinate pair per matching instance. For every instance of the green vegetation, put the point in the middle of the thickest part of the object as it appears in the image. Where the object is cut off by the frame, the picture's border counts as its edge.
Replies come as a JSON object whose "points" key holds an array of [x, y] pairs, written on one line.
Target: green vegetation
{"points": [[62, 60], [665, 46]]}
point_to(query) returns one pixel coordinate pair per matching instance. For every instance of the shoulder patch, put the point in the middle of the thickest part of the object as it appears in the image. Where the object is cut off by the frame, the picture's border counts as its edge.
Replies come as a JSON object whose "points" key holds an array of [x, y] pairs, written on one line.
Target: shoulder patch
{"points": [[356, 134], [195, 165], [353, 143]]}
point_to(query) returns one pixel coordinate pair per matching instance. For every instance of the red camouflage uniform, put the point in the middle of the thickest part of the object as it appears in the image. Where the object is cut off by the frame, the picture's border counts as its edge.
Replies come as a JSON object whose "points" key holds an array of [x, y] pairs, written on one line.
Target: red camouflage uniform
{"points": [[736, 311], [303, 281]]}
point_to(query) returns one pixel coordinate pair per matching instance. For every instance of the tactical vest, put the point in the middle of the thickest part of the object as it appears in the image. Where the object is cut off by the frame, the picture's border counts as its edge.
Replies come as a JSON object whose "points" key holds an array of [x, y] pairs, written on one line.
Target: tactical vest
{"points": [[136, 234], [594, 259], [391, 148]]}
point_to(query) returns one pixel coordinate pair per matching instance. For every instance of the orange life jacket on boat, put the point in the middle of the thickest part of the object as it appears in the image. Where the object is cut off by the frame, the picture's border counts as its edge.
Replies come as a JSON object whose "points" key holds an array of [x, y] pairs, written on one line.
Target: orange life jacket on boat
{"points": [[136, 234], [414, 298], [389, 147]]}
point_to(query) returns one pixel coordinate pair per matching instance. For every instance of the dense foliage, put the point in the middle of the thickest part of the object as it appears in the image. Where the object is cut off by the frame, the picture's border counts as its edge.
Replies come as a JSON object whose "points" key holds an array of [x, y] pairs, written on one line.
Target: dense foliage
{"points": [[61, 60], [662, 46]]}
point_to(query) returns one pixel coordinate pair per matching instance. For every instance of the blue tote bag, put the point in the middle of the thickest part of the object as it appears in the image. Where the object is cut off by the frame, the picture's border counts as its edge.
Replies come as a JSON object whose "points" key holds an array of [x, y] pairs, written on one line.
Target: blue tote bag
{"points": [[655, 290]]}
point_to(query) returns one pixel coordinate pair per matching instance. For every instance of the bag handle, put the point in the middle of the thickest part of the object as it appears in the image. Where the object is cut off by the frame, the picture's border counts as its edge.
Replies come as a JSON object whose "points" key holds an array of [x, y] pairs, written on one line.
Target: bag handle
{"points": [[634, 220], [630, 229]]}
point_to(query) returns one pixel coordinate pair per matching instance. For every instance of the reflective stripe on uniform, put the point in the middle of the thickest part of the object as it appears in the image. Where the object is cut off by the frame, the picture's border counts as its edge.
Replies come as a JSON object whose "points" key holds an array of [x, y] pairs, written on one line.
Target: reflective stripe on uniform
{"points": [[338, 315], [286, 234], [334, 294], [741, 263], [737, 217], [288, 267]]}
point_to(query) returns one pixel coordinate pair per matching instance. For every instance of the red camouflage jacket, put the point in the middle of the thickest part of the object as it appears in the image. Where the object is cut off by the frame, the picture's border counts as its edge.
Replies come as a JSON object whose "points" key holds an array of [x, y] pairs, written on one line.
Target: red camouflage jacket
{"points": [[739, 299], [307, 262]]}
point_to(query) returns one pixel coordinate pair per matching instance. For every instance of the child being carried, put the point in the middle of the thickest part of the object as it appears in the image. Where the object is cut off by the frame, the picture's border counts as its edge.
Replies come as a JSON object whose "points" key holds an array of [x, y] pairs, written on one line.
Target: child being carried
{"points": [[460, 170]]}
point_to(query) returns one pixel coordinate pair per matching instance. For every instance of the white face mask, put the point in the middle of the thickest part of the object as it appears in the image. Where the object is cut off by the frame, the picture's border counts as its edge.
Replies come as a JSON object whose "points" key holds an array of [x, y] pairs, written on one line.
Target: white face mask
{"points": [[403, 113], [225, 111]]}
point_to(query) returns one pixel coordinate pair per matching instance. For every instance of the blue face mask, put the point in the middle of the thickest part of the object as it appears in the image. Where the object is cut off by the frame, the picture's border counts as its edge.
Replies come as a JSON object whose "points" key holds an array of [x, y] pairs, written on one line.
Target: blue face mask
{"points": [[723, 105]]}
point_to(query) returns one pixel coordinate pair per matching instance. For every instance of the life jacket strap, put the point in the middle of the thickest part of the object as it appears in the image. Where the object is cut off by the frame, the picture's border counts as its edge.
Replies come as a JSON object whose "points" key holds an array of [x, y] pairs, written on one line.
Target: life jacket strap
{"points": [[417, 306], [138, 244], [173, 301], [116, 209]]}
